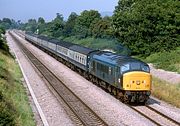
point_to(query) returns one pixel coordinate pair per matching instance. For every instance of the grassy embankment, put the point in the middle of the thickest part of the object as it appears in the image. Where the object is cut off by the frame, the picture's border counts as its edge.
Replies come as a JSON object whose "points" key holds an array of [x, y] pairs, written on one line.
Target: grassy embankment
{"points": [[163, 90], [14, 104], [169, 61], [167, 92]]}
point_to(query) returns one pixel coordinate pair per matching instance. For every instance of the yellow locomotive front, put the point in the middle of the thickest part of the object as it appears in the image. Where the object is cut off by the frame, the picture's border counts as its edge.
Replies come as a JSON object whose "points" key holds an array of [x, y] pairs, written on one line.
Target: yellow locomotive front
{"points": [[136, 81]]}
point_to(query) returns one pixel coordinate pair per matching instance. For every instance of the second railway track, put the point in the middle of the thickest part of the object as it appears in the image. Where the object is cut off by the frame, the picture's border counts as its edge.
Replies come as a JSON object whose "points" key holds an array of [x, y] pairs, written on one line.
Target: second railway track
{"points": [[83, 113], [155, 116]]}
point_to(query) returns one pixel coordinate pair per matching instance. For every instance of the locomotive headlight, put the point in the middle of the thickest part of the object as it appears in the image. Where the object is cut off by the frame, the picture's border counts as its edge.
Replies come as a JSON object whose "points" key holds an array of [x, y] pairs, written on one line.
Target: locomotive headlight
{"points": [[138, 82], [119, 80]]}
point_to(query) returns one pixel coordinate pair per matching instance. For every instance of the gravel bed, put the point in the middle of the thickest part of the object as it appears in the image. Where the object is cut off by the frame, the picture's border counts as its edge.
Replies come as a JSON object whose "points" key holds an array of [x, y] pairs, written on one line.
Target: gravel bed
{"points": [[171, 77], [165, 108], [153, 115], [106, 106], [51, 107]]}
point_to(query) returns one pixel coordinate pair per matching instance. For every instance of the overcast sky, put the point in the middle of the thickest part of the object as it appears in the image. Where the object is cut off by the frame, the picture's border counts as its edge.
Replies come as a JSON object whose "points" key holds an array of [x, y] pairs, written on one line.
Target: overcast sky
{"points": [[26, 9]]}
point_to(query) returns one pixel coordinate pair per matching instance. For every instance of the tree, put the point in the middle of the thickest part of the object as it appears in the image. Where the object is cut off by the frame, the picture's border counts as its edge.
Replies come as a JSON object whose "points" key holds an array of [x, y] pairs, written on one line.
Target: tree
{"points": [[59, 17], [69, 26], [84, 21], [148, 26], [57, 26], [102, 28], [41, 26], [31, 25], [2, 31], [6, 23], [7, 20], [41, 20]]}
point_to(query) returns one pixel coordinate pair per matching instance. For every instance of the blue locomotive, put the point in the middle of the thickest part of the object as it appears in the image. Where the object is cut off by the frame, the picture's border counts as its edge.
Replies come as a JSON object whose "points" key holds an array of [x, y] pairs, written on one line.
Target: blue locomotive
{"points": [[127, 78]]}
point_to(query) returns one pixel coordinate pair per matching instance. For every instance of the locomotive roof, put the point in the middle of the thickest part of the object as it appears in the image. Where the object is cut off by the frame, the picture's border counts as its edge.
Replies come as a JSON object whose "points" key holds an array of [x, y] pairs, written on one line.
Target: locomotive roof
{"points": [[113, 58], [81, 49]]}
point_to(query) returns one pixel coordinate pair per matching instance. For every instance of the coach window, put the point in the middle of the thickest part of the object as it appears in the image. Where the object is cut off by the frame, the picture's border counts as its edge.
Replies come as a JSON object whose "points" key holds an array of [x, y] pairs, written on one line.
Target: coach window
{"points": [[82, 61]]}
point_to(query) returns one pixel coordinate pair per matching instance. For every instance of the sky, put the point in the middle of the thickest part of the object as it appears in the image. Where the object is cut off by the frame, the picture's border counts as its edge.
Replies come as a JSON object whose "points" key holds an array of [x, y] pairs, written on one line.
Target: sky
{"points": [[27, 9]]}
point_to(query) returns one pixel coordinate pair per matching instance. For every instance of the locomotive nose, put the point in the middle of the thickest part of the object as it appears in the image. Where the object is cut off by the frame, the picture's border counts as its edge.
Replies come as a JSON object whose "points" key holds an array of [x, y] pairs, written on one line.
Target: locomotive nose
{"points": [[137, 81]]}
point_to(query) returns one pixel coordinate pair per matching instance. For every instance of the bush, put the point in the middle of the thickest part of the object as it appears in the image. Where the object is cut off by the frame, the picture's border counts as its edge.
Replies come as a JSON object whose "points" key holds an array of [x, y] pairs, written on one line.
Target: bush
{"points": [[14, 105], [99, 43], [7, 113], [166, 60], [3, 45]]}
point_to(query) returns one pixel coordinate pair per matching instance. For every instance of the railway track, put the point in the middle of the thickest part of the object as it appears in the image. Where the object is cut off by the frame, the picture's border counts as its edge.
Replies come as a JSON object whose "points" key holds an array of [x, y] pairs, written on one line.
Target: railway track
{"points": [[155, 116], [82, 114], [148, 112]]}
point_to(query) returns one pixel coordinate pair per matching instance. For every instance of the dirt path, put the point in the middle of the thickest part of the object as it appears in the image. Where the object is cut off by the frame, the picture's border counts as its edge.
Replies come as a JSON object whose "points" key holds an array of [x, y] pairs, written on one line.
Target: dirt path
{"points": [[168, 76]]}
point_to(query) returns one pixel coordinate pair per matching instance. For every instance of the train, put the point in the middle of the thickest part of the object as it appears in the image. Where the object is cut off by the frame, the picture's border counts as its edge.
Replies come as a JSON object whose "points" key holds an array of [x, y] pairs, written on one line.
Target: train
{"points": [[127, 78]]}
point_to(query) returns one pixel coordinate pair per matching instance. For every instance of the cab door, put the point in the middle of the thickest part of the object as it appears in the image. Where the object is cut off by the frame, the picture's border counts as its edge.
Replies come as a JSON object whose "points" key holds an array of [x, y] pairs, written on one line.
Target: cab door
{"points": [[117, 76]]}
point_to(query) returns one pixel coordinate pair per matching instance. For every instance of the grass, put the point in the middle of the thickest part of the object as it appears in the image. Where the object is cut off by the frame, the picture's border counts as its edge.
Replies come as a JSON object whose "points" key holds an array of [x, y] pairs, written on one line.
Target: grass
{"points": [[169, 61], [14, 104], [99, 43], [167, 92]]}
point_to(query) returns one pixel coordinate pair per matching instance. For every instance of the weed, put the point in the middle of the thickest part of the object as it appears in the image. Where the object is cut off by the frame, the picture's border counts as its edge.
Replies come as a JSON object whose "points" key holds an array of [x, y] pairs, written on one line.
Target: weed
{"points": [[166, 91], [14, 105]]}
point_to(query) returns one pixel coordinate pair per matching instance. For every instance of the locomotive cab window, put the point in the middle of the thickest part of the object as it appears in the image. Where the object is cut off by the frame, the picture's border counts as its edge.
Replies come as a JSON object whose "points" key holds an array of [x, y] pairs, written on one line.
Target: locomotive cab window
{"points": [[125, 68], [145, 68]]}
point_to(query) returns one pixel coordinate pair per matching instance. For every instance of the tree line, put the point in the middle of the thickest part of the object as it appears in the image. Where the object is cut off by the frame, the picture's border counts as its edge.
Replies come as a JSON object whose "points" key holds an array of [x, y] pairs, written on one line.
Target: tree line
{"points": [[144, 26]]}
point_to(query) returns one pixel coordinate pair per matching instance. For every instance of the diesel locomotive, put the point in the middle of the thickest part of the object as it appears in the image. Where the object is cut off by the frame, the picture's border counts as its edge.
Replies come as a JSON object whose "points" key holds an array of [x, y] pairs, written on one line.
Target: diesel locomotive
{"points": [[125, 77]]}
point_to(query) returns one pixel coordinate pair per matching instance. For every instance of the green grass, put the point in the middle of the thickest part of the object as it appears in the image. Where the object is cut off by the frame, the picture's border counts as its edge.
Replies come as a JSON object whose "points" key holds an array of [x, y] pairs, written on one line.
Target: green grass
{"points": [[169, 61], [166, 91], [99, 43], [14, 104]]}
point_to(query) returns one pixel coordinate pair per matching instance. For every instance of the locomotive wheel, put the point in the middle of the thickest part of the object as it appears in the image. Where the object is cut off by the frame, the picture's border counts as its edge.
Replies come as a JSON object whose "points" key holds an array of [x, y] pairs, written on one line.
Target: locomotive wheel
{"points": [[126, 100], [120, 96]]}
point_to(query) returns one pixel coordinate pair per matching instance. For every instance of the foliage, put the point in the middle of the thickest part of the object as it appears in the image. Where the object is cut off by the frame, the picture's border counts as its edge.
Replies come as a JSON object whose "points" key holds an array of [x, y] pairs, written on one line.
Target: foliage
{"points": [[7, 23], [31, 25], [69, 26], [2, 31], [84, 21], [99, 43], [56, 26], [169, 61], [14, 105], [148, 26], [102, 28], [3, 46], [41, 20], [40, 25]]}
